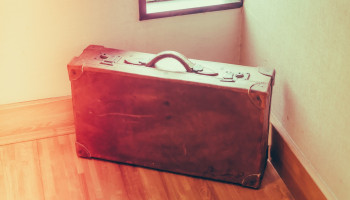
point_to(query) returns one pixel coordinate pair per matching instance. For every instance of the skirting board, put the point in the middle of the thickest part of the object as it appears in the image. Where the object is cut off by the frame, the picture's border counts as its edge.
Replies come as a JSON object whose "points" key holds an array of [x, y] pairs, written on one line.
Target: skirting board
{"points": [[294, 168], [32, 120]]}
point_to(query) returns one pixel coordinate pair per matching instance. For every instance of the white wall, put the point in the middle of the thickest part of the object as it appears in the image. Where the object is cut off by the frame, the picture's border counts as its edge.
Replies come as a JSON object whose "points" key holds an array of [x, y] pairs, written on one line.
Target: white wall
{"points": [[39, 37], [308, 42]]}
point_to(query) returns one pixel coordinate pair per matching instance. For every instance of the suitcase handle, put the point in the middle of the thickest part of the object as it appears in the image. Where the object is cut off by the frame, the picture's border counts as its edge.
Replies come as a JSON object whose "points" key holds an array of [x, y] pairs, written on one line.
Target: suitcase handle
{"points": [[187, 64]]}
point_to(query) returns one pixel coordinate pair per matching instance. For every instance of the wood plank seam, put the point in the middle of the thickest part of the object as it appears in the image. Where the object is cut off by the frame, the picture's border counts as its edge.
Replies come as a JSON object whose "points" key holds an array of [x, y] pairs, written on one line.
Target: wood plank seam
{"points": [[166, 188], [40, 170]]}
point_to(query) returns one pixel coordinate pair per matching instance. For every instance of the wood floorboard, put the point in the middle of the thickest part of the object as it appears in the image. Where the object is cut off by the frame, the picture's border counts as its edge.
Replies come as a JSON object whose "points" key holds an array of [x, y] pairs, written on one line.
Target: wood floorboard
{"points": [[36, 164], [20, 176], [49, 169]]}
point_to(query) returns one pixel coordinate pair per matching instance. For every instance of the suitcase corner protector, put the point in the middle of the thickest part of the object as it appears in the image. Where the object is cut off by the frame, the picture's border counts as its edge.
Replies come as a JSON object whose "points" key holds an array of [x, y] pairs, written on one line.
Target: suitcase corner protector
{"points": [[75, 72], [252, 181], [258, 99], [82, 151], [267, 71]]}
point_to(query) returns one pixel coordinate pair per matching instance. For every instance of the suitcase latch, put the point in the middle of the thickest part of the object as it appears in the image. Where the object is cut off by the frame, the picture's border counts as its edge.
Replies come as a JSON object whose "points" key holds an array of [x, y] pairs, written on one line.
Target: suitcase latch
{"points": [[233, 77], [107, 59]]}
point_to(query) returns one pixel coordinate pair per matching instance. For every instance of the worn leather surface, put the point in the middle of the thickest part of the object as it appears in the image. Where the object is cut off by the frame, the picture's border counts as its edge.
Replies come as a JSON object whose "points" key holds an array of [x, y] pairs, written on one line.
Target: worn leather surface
{"points": [[173, 125]]}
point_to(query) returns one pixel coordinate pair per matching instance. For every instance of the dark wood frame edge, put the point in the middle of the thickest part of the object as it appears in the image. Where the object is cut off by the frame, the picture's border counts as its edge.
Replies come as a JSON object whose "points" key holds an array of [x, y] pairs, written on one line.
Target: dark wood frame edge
{"points": [[144, 16]]}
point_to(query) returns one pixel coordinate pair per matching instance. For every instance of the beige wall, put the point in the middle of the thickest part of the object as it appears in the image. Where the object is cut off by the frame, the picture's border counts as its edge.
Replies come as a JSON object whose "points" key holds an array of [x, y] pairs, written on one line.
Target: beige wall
{"points": [[39, 37], [308, 42]]}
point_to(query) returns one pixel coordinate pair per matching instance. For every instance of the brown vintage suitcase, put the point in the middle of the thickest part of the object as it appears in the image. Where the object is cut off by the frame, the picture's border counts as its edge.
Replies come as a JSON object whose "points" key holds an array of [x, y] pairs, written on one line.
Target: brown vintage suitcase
{"points": [[210, 120]]}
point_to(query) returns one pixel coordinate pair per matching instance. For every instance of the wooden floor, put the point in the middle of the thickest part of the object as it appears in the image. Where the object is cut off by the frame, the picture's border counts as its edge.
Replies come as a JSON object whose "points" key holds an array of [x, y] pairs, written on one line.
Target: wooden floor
{"points": [[38, 161]]}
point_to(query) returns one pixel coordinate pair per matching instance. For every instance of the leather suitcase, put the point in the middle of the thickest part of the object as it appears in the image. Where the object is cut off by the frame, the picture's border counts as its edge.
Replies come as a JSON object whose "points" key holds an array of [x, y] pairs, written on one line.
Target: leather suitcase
{"points": [[193, 117]]}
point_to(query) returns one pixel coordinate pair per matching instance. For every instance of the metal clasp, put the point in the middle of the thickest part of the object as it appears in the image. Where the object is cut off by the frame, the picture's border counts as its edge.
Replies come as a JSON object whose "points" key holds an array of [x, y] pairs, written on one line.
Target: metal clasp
{"points": [[228, 77], [108, 59], [233, 77]]}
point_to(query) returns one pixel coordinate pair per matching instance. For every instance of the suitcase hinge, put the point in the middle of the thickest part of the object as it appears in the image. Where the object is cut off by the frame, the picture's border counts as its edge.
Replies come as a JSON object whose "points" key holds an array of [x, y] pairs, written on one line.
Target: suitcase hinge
{"points": [[82, 151]]}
